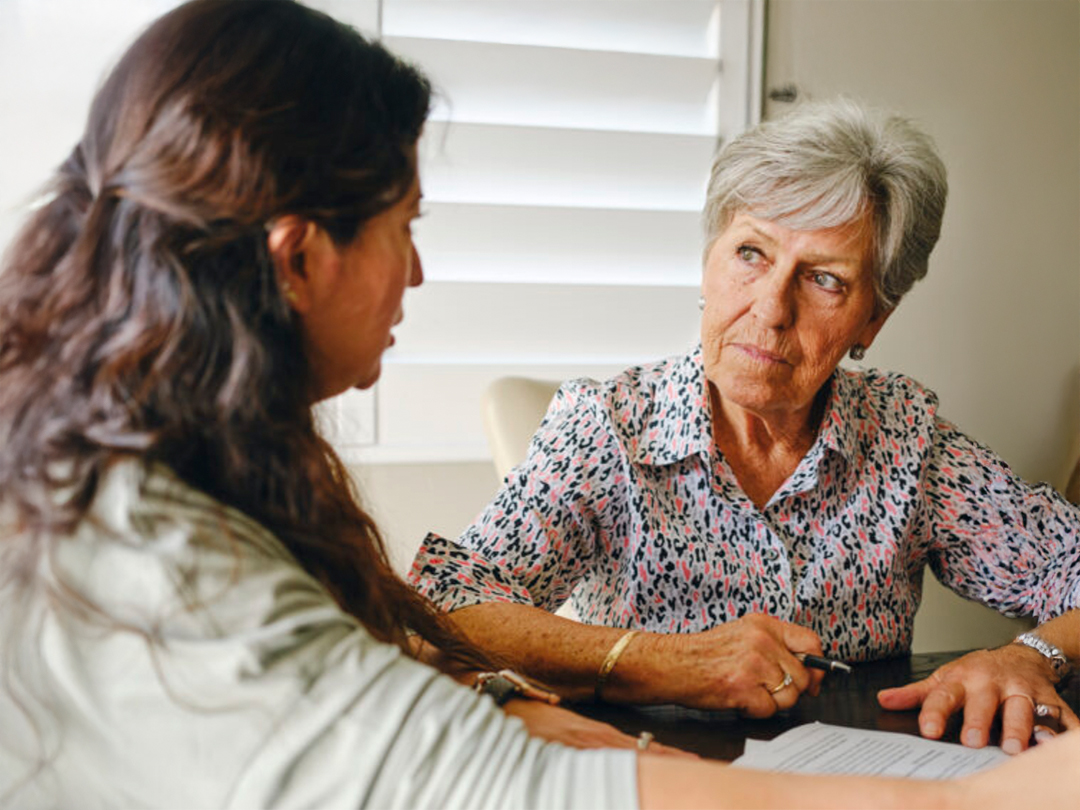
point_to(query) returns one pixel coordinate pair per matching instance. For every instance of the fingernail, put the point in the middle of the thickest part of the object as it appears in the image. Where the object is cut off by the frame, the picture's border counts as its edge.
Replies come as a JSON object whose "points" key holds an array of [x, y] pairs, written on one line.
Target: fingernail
{"points": [[973, 738], [1011, 746], [1043, 734], [931, 729]]}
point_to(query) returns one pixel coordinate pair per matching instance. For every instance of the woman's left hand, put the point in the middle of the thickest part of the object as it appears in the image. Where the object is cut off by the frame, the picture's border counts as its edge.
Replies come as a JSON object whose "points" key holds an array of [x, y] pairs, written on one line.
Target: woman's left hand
{"points": [[1012, 679], [556, 724]]}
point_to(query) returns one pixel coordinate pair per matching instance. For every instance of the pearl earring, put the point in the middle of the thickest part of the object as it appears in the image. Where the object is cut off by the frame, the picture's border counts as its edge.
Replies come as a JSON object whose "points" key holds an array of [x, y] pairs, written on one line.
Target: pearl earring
{"points": [[857, 352], [701, 302], [288, 292]]}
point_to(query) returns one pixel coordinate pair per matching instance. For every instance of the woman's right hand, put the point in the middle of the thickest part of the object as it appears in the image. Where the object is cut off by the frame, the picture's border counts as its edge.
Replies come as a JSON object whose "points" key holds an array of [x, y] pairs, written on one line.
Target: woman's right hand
{"points": [[558, 724], [736, 665]]}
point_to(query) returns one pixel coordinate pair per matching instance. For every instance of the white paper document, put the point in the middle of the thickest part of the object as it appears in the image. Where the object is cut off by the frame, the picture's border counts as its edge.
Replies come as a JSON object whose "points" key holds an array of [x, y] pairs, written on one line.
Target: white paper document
{"points": [[821, 748]]}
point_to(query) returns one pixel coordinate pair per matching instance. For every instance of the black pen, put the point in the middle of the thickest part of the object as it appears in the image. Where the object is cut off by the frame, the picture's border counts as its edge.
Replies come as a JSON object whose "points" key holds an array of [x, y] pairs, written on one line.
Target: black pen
{"points": [[827, 664]]}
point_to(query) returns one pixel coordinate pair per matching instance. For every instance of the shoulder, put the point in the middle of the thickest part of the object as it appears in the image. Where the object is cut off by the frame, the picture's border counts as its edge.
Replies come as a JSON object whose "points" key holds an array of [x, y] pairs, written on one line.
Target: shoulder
{"points": [[625, 403], [154, 550], [885, 396]]}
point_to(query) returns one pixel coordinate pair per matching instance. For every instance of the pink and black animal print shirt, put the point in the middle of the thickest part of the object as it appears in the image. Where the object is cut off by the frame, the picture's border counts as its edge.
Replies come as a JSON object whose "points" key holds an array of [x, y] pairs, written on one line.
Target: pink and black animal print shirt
{"points": [[625, 505]]}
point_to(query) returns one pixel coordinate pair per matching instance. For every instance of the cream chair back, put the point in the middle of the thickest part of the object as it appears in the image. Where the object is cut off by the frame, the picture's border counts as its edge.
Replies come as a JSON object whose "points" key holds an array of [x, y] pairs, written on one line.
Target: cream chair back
{"points": [[513, 408]]}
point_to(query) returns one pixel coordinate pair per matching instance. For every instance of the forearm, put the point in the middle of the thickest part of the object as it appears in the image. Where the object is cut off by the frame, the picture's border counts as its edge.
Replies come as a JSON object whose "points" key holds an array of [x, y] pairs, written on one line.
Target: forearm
{"points": [[564, 654], [667, 782], [731, 666]]}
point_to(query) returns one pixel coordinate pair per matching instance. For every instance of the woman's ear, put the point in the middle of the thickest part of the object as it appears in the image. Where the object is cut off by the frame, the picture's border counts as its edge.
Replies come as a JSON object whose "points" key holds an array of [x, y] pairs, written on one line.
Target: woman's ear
{"points": [[290, 241], [869, 332]]}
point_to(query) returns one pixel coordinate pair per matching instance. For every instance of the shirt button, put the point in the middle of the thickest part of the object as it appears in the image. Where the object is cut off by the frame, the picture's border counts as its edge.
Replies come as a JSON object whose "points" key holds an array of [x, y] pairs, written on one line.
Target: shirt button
{"points": [[774, 554]]}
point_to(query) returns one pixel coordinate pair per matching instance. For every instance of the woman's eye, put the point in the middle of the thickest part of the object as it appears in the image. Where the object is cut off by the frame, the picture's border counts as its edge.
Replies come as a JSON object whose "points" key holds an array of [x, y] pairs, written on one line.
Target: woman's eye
{"points": [[747, 254], [827, 281]]}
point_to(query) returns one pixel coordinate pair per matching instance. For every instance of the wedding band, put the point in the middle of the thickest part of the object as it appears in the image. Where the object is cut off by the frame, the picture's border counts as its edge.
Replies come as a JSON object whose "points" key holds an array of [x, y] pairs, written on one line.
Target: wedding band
{"points": [[788, 680], [643, 740], [1034, 705]]}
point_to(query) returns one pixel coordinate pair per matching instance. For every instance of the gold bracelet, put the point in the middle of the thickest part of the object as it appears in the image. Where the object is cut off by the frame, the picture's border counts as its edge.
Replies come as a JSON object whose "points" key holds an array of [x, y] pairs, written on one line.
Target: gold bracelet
{"points": [[611, 659]]}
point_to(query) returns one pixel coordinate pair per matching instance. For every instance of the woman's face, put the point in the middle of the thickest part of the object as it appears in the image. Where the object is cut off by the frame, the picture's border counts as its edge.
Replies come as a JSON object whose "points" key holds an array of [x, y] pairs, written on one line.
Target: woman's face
{"points": [[347, 327], [782, 307]]}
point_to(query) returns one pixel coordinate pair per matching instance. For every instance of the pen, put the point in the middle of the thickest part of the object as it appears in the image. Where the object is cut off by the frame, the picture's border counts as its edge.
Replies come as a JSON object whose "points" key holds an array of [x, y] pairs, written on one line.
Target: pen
{"points": [[827, 664]]}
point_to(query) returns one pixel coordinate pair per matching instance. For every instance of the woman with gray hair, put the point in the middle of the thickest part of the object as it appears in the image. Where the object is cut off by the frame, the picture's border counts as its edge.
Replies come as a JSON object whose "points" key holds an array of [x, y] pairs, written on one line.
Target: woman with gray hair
{"points": [[717, 516]]}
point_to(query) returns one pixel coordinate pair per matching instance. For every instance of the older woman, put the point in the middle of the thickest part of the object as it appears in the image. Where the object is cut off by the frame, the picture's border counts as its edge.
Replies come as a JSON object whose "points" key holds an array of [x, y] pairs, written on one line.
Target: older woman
{"points": [[756, 499]]}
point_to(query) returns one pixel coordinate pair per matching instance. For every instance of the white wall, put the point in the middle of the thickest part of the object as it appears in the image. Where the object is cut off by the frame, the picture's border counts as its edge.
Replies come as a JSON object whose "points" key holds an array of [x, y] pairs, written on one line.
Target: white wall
{"points": [[995, 327]]}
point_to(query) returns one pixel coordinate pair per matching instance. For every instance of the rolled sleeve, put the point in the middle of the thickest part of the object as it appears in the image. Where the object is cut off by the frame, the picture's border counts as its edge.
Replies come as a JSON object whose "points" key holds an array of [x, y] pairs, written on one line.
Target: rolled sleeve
{"points": [[454, 577], [996, 539], [536, 540]]}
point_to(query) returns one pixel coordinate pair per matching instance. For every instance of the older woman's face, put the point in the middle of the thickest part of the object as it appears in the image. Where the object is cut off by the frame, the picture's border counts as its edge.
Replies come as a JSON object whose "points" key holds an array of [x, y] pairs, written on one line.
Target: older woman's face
{"points": [[782, 307]]}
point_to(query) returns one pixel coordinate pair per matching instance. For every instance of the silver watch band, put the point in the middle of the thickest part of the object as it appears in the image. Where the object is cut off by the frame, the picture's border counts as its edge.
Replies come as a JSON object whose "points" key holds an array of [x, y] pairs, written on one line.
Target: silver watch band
{"points": [[1058, 662]]}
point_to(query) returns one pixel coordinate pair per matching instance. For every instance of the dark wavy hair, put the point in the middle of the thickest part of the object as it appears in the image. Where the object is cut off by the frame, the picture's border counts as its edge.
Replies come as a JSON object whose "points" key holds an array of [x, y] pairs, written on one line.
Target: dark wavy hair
{"points": [[140, 314]]}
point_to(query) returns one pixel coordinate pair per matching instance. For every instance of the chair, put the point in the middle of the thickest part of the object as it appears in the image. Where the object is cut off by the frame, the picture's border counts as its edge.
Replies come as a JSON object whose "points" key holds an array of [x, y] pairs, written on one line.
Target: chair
{"points": [[513, 408]]}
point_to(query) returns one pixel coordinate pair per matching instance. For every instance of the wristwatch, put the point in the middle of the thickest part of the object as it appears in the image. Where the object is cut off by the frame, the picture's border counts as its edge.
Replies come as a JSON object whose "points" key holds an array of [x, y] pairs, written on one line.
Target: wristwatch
{"points": [[1058, 662], [506, 684]]}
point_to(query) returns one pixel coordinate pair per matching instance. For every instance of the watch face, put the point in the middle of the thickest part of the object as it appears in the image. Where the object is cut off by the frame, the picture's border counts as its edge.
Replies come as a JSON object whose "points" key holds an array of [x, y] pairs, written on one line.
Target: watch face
{"points": [[500, 688]]}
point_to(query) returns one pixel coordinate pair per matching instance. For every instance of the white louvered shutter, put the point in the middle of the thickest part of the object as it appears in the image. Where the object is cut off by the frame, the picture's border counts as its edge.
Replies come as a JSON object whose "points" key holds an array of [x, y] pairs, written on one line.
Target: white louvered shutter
{"points": [[564, 170]]}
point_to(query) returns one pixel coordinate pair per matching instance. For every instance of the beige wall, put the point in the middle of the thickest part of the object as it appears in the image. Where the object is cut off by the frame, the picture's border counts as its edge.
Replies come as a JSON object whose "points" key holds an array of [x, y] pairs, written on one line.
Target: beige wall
{"points": [[410, 500], [995, 327]]}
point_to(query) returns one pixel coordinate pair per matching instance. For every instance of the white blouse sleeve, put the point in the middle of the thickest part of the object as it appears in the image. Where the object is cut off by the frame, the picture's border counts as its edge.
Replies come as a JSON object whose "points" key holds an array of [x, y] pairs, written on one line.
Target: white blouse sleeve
{"points": [[217, 673], [371, 727]]}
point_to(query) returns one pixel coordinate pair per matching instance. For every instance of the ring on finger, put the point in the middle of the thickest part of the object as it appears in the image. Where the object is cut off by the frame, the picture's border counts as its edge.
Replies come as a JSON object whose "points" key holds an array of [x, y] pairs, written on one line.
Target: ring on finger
{"points": [[788, 680], [1034, 705], [643, 740], [1046, 710]]}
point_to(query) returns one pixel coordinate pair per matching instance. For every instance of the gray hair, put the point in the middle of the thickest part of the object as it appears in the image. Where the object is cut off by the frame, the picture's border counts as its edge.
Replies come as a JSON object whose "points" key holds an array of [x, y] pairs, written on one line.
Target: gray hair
{"points": [[825, 165]]}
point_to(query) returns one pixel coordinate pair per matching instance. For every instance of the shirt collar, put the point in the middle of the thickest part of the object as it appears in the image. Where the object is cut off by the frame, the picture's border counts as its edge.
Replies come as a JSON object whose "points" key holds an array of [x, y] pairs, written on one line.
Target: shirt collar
{"points": [[680, 424], [843, 411]]}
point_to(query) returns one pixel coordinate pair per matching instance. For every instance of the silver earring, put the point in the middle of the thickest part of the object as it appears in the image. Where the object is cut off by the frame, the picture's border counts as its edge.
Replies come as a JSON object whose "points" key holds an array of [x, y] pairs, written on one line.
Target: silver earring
{"points": [[701, 303], [857, 352]]}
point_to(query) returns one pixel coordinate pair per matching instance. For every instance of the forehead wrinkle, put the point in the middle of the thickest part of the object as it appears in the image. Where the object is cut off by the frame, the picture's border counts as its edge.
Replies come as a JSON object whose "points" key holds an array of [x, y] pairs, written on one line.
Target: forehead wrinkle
{"points": [[812, 258]]}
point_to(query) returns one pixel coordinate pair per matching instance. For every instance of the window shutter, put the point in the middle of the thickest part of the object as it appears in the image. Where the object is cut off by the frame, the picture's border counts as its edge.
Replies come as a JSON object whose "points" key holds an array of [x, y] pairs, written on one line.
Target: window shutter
{"points": [[564, 170]]}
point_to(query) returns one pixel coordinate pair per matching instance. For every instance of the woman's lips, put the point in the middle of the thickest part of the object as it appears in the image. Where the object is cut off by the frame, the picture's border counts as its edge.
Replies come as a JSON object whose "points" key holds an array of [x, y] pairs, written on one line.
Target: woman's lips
{"points": [[759, 354]]}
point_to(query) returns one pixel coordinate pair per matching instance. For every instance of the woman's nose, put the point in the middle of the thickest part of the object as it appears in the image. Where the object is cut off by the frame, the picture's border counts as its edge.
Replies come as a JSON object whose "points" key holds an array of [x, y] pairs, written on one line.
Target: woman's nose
{"points": [[774, 304], [416, 277]]}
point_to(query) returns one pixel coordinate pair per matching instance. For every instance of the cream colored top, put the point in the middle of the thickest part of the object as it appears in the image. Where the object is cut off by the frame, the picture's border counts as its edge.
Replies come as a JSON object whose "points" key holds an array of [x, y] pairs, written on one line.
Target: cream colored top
{"points": [[239, 683]]}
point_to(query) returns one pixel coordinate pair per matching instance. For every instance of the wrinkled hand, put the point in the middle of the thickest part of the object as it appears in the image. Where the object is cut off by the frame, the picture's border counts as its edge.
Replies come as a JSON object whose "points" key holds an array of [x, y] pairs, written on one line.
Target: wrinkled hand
{"points": [[556, 724], [735, 665], [1011, 679]]}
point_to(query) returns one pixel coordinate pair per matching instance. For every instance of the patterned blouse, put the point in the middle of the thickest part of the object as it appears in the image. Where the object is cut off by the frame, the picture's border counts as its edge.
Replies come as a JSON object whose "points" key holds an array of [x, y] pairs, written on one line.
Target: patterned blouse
{"points": [[625, 505]]}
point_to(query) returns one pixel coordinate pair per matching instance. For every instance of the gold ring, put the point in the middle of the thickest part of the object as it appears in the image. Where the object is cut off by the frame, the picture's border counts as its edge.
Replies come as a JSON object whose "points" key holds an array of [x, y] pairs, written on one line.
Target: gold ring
{"points": [[788, 680], [1034, 705], [643, 740]]}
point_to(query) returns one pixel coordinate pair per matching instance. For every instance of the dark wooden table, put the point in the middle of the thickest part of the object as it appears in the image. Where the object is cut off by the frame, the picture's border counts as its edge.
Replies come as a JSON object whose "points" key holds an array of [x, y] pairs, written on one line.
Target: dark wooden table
{"points": [[845, 700]]}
